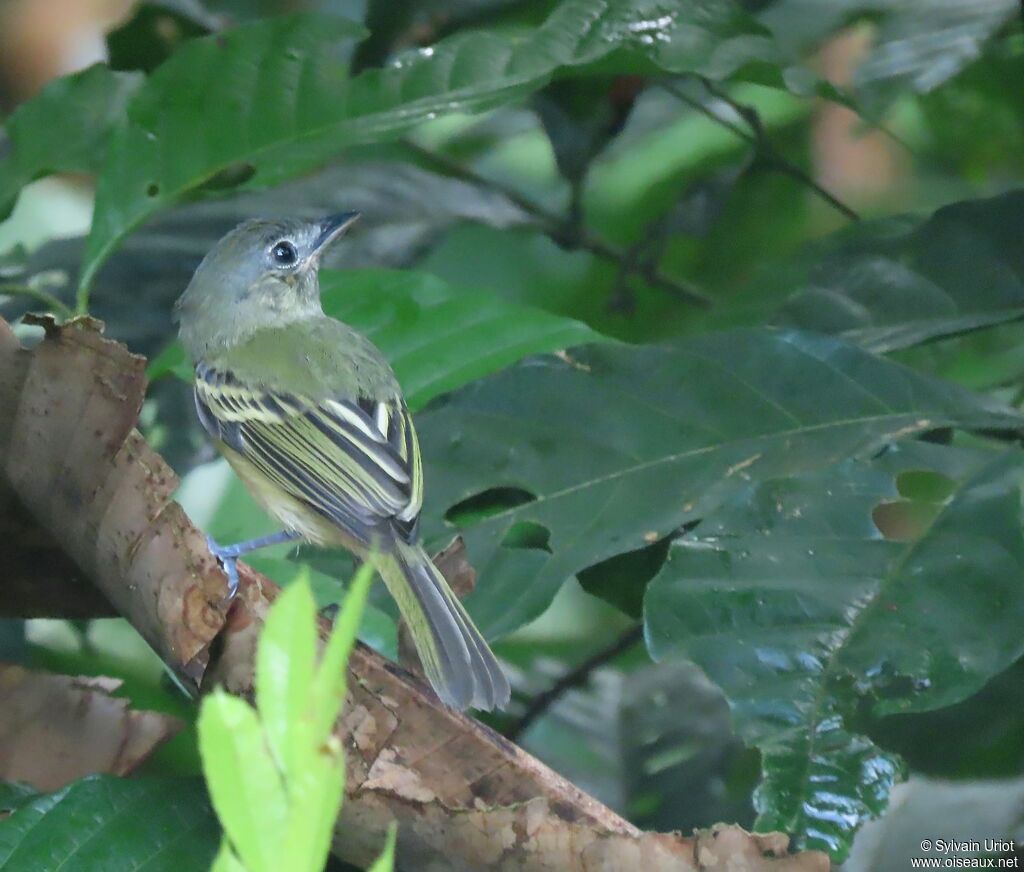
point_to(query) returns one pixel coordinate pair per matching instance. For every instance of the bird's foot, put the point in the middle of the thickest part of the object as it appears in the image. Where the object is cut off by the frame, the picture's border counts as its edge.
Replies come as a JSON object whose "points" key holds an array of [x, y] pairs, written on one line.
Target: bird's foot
{"points": [[228, 554], [228, 557]]}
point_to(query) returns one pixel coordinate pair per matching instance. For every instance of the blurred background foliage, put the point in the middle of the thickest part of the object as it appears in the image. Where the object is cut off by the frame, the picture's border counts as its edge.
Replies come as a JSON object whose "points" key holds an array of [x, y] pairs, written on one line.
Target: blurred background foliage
{"points": [[711, 314]]}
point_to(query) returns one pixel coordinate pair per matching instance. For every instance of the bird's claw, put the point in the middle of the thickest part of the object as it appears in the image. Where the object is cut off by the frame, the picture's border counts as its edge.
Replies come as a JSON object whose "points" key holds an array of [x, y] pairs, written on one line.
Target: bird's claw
{"points": [[228, 557]]}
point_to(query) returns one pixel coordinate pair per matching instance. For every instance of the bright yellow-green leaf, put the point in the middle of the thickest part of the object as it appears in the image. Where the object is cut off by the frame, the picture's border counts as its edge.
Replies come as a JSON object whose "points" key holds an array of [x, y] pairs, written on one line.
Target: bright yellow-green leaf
{"points": [[284, 673], [226, 860], [277, 777], [386, 861], [244, 783], [314, 797]]}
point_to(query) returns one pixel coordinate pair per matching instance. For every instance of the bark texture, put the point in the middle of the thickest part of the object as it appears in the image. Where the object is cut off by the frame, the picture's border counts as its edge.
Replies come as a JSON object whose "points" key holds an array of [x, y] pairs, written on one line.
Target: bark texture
{"points": [[464, 797]]}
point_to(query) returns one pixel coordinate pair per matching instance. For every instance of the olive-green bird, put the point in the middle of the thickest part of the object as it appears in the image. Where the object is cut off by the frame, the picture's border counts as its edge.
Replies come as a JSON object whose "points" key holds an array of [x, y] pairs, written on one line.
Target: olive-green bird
{"points": [[311, 417]]}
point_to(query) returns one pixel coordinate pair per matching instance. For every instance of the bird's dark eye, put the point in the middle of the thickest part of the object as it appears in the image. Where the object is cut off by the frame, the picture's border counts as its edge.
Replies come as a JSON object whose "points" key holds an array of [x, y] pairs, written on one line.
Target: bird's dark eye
{"points": [[284, 253]]}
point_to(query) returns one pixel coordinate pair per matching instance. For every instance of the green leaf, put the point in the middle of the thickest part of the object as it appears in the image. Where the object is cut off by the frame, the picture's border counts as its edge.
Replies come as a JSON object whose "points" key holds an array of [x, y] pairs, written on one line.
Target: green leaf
{"points": [[896, 283], [102, 822], [288, 811], [616, 447], [439, 337], [245, 785], [226, 860], [271, 100], [979, 101], [386, 861], [154, 30], [978, 738], [172, 360], [284, 673], [14, 794], [793, 602], [63, 129], [315, 793]]}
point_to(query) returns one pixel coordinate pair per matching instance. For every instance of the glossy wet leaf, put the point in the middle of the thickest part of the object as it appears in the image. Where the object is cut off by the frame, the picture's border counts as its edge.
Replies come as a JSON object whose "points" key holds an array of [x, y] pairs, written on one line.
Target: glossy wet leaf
{"points": [[792, 601], [63, 129], [618, 446], [978, 738], [308, 109], [899, 282], [102, 822]]}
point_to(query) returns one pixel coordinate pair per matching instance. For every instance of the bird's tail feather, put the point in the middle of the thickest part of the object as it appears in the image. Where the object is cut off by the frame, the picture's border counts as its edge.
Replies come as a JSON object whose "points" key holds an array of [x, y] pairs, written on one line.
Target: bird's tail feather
{"points": [[456, 659]]}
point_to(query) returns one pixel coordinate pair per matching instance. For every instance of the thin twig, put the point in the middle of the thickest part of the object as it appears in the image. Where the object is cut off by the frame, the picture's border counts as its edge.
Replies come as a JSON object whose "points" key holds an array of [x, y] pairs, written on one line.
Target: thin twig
{"points": [[757, 137], [55, 305], [560, 229], [543, 701]]}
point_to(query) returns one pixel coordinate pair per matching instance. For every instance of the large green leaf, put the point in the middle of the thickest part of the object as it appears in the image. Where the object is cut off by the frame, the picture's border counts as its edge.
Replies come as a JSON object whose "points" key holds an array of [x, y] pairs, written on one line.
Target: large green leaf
{"points": [[63, 129], [268, 100], [438, 337], [616, 447], [791, 599], [898, 282], [114, 824]]}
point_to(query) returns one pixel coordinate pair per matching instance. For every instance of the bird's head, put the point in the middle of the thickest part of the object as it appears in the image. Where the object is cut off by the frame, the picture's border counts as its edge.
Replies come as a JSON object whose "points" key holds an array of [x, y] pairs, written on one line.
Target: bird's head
{"points": [[261, 274]]}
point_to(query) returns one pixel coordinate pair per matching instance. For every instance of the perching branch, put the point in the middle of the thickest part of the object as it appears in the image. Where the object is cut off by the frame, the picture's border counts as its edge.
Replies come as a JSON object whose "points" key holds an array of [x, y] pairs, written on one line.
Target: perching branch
{"points": [[464, 798], [573, 678], [566, 231], [758, 138]]}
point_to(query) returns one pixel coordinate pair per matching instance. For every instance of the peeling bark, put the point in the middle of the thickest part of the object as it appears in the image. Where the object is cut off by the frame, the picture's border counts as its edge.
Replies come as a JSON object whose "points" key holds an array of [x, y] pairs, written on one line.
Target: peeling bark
{"points": [[464, 797], [55, 729]]}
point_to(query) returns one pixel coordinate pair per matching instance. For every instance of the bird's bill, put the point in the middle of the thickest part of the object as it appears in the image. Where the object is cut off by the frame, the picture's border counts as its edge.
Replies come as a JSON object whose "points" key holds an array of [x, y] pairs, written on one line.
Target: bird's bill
{"points": [[332, 227]]}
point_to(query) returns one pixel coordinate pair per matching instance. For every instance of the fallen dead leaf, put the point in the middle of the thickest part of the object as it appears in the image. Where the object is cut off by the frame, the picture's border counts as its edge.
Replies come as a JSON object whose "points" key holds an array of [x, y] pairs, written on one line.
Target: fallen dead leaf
{"points": [[55, 729]]}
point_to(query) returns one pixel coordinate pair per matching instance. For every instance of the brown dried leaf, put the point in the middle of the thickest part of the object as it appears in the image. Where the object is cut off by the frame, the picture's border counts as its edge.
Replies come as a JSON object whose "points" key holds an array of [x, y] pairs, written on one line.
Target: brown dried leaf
{"points": [[57, 728]]}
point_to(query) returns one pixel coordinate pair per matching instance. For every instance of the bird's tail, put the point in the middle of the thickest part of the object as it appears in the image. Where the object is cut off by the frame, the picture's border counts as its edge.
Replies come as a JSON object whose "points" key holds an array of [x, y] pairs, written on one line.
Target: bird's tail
{"points": [[455, 657]]}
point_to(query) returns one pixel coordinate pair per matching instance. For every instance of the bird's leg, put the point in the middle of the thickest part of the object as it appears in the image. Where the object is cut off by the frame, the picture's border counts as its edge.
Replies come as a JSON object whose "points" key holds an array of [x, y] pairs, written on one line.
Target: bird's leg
{"points": [[228, 554]]}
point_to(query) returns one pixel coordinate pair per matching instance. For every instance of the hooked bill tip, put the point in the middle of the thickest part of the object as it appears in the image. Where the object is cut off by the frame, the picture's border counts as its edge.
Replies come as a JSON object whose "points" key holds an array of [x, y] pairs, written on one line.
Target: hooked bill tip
{"points": [[334, 226]]}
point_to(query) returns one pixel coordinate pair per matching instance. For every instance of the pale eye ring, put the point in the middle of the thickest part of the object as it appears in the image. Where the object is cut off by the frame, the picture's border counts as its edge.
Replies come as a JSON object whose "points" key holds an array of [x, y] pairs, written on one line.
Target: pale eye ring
{"points": [[284, 253]]}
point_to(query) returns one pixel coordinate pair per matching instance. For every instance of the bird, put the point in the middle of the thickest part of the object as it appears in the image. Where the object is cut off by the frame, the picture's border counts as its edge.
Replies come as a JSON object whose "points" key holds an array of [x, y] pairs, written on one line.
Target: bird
{"points": [[311, 417]]}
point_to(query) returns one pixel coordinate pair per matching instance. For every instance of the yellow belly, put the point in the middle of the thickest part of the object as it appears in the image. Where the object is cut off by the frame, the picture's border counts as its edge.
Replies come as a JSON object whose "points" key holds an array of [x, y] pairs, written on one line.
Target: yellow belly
{"points": [[291, 513]]}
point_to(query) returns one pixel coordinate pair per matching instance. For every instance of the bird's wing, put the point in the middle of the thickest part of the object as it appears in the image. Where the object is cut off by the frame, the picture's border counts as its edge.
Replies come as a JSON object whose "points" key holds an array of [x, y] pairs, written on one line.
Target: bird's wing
{"points": [[356, 462]]}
